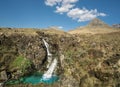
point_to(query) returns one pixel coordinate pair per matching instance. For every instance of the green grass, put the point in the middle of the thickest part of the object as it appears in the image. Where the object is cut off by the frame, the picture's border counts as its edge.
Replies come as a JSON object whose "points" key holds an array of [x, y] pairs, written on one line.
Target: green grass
{"points": [[21, 63]]}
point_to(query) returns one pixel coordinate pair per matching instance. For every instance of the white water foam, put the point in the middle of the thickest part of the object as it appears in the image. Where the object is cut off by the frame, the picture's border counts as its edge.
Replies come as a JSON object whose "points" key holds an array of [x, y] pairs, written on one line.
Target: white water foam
{"points": [[51, 64], [48, 74], [49, 55]]}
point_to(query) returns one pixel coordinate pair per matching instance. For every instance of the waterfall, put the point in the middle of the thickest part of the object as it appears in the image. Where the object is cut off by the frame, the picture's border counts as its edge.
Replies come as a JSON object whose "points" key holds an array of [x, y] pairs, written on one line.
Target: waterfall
{"points": [[49, 55], [47, 47], [48, 74], [51, 64]]}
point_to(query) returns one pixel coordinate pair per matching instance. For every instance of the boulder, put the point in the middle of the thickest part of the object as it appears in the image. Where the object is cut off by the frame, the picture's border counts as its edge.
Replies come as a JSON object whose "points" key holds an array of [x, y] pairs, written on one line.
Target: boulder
{"points": [[3, 76]]}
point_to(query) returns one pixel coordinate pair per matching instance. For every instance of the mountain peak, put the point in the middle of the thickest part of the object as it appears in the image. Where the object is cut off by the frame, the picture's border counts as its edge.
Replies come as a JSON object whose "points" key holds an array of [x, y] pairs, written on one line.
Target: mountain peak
{"points": [[96, 26], [97, 23]]}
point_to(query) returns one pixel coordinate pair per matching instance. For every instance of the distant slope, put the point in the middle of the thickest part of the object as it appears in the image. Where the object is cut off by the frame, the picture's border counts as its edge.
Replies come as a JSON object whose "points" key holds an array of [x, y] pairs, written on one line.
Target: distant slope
{"points": [[26, 31], [31, 31], [54, 30], [96, 26]]}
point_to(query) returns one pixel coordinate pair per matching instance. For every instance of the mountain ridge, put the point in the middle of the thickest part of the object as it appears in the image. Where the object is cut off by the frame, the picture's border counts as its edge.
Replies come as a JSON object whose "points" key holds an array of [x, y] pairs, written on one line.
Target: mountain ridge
{"points": [[97, 23], [96, 26]]}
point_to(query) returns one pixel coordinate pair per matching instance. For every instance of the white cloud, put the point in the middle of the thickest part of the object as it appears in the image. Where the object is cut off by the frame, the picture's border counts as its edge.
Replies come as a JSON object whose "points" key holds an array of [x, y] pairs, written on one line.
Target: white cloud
{"points": [[52, 2], [55, 2], [68, 7], [60, 27], [69, 1], [56, 27], [63, 8], [102, 14], [84, 14]]}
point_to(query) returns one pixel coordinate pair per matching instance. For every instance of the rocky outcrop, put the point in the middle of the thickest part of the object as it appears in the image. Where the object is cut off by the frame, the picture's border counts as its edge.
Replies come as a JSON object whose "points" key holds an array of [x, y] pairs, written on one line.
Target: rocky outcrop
{"points": [[83, 60], [3, 76]]}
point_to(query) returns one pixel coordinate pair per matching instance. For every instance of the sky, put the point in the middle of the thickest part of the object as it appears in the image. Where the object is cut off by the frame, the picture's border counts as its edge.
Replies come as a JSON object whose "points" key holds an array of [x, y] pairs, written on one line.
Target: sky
{"points": [[64, 14]]}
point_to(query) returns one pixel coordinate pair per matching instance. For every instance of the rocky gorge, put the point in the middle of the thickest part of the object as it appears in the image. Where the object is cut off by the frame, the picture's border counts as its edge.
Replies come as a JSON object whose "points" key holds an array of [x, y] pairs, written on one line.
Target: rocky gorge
{"points": [[84, 60]]}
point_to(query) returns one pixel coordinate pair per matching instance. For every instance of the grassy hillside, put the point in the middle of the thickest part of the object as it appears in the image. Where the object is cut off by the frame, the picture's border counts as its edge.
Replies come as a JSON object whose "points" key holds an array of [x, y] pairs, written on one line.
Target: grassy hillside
{"points": [[87, 57], [96, 26]]}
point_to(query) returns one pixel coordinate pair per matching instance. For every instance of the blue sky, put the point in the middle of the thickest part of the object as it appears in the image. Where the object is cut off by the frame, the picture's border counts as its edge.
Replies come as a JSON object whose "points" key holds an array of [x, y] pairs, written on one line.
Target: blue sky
{"points": [[66, 14]]}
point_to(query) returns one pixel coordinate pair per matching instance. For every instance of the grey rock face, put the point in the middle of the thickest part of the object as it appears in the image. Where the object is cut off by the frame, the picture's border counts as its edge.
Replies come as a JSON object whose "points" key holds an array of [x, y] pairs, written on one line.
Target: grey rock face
{"points": [[1, 84], [3, 76]]}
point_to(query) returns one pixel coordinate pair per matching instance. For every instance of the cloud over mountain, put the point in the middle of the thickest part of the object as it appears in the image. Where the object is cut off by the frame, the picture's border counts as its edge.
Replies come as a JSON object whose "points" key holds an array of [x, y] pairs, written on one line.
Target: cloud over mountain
{"points": [[68, 7]]}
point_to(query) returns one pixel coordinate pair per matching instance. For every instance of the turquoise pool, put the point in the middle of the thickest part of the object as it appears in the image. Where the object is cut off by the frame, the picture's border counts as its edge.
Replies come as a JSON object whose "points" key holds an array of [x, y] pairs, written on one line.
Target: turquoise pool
{"points": [[35, 78]]}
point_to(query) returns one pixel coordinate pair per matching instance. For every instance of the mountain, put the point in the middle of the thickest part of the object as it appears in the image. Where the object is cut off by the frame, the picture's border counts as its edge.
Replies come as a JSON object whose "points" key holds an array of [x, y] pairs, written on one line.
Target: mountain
{"points": [[96, 26], [97, 23]]}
